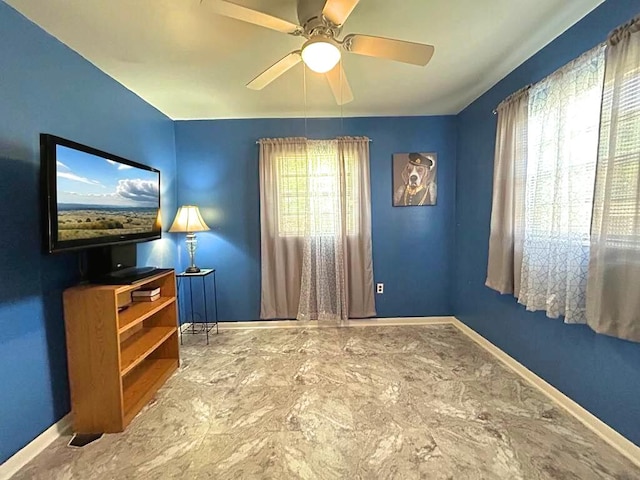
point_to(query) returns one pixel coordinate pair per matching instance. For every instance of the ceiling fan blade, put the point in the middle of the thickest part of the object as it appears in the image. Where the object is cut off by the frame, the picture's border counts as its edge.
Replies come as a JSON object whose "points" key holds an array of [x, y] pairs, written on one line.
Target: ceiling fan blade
{"points": [[398, 50], [228, 9], [339, 85], [275, 70], [339, 10]]}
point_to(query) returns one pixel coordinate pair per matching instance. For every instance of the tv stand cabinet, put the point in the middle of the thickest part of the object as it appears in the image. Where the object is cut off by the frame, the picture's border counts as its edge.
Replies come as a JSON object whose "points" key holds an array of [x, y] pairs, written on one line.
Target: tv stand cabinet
{"points": [[119, 352]]}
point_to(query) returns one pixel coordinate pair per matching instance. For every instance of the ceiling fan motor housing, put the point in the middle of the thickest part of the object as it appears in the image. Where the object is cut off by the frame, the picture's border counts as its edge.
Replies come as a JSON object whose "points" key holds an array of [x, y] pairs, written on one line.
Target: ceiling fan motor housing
{"points": [[314, 23]]}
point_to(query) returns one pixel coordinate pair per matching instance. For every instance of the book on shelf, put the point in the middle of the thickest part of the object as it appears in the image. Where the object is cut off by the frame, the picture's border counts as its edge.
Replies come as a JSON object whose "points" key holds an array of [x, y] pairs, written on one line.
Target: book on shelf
{"points": [[145, 298], [146, 292]]}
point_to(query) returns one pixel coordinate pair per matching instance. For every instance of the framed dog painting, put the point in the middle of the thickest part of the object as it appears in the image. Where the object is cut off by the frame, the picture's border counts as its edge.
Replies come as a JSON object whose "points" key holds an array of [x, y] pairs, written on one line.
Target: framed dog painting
{"points": [[414, 179]]}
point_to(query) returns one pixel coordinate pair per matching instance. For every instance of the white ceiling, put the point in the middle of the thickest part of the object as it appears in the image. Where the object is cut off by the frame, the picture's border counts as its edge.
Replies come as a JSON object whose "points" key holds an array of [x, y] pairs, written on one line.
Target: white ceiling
{"points": [[193, 64]]}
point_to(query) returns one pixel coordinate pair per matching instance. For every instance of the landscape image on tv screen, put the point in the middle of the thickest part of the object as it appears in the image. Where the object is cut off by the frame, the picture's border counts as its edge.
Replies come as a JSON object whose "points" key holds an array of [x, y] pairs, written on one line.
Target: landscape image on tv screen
{"points": [[97, 197]]}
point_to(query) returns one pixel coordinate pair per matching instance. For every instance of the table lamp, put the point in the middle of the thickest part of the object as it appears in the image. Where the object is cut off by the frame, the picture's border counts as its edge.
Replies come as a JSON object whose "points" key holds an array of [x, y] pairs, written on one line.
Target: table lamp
{"points": [[188, 220]]}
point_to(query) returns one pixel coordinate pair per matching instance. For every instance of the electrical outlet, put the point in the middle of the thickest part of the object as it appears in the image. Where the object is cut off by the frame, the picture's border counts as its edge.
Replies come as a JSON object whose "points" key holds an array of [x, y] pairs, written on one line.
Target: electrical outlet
{"points": [[379, 287]]}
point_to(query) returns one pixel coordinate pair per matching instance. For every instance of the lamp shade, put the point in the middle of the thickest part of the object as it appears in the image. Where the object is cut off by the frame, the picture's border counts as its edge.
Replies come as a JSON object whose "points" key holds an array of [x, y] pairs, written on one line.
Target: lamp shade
{"points": [[320, 54], [188, 219]]}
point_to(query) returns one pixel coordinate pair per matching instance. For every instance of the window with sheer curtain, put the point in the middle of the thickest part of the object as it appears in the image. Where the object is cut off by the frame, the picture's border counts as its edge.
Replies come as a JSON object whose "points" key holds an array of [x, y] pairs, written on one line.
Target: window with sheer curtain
{"points": [[315, 229], [563, 120], [565, 235]]}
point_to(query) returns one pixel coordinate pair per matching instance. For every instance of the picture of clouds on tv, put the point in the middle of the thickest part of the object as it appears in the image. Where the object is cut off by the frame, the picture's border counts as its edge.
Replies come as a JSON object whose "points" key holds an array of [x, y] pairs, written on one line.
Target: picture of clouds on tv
{"points": [[97, 197]]}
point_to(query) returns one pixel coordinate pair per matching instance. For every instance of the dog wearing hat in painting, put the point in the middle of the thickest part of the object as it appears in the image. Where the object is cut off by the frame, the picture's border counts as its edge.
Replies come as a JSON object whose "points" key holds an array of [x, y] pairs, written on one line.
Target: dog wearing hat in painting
{"points": [[419, 185]]}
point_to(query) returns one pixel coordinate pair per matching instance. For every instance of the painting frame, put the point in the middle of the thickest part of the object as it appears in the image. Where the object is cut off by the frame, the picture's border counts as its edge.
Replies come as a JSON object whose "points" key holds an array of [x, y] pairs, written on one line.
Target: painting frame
{"points": [[414, 179]]}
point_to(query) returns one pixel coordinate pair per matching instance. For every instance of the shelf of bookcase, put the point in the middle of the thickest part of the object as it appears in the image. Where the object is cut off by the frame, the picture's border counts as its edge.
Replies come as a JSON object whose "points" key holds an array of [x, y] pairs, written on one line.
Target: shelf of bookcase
{"points": [[140, 345], [142, 383], [138, 312]]}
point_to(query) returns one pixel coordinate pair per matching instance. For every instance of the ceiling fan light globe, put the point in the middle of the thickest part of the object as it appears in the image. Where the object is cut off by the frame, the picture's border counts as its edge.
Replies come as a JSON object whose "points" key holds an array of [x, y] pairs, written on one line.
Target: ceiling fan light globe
{"points": [[320, 55]]}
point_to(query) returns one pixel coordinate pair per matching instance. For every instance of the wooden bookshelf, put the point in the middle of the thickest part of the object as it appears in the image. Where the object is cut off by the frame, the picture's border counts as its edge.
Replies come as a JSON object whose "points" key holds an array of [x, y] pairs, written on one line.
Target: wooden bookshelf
{"points": [[119, 352]]}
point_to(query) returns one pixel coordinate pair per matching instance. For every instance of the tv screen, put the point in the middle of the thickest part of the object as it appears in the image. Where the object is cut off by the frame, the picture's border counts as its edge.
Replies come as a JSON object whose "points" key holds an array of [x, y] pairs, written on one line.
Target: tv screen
{"points": [[94, 198]]}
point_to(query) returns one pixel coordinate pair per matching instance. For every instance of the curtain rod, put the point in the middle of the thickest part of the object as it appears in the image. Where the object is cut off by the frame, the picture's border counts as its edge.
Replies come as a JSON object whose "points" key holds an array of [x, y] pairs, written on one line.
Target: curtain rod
{"points": [[600, 45], [368, 139], [515, 94]]}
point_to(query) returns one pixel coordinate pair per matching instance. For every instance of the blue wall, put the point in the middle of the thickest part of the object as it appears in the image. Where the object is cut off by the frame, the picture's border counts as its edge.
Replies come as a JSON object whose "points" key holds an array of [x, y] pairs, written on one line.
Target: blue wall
{"points": [[600, 373], [45, 87], [412, 246]]}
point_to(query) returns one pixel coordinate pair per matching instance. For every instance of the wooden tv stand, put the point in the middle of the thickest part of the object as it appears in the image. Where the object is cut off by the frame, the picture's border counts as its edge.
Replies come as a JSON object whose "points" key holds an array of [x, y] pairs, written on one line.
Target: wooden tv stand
{"points": [[119, 353]]}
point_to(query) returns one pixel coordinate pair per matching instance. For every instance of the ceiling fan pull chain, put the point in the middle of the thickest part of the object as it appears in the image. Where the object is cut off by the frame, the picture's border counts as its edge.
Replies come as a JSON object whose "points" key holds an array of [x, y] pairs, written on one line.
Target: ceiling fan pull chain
{"points": [[341, 97], [304, 92]]}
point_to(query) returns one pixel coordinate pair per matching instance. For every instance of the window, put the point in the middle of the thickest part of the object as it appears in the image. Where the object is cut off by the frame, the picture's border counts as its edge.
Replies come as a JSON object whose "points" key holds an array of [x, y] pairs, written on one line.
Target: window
{"points": [[619, 161], [309, 191], [556, 196], [564, 114], [315, 247], [546, 155]]}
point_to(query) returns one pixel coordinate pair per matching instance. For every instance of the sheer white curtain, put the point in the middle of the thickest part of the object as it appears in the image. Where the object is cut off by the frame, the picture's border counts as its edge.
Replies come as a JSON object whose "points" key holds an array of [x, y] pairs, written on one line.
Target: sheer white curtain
{"points": [[613, 305], [323, 294], [507, 211], [315, 216], [564, 114]]}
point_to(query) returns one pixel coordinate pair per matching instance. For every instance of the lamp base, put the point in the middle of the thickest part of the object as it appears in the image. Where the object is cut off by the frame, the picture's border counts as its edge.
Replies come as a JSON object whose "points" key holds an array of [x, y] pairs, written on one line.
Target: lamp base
{"points": [[192, 270]]}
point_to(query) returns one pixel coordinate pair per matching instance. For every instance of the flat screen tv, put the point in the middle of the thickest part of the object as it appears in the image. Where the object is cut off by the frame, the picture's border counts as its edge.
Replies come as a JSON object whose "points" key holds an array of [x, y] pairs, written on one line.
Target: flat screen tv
{"points": [[93, 198]]}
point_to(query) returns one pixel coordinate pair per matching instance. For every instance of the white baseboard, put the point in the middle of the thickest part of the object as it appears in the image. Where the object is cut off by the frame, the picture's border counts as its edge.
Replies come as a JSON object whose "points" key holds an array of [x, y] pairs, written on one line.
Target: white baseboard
{"points": [[398, 321], [604, 431], [357, 322], [37, 445], [259, 324]]}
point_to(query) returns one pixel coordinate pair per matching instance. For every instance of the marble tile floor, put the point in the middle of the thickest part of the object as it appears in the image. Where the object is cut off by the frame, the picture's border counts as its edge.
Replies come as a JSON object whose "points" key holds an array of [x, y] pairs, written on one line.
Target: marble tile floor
{"points": [[406, 402]]}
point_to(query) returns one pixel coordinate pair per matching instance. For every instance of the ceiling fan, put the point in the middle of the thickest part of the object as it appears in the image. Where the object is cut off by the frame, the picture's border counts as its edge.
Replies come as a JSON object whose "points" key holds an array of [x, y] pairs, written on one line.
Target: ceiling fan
{"points": [[322, 22]]}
